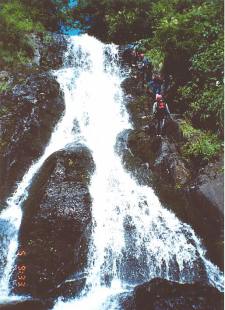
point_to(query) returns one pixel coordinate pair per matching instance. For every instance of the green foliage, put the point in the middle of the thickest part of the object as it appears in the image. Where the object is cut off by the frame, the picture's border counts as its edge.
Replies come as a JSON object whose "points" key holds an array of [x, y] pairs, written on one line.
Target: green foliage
{"points": [[2, 144], [3, 110], [121, 21], [13, 58], [188, 130], [15, 24], [209, 60], [190, 34], [200, 145], [184, 38], [207, 109], [157, 57], [152, 52], [47, 38], [51, 14], [185, 29], [4, 86], [202, 97], [18, 19]]}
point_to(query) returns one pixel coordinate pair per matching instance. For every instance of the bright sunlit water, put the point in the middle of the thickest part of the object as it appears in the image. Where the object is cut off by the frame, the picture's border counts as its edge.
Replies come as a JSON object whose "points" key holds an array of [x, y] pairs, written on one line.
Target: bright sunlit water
{"points": [[134, 238]]}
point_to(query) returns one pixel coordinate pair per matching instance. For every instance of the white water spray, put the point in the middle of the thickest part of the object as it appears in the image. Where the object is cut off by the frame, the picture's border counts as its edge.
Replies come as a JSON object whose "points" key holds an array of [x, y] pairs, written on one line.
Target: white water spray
{"points": [[61, 136], [134, 238]]}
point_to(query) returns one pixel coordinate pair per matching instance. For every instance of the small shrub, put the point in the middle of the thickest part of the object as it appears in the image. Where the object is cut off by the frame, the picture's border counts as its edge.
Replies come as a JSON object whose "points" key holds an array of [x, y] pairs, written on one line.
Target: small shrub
{"points": [[200, 145], [188, 130], [4, 86], [156, 57], [2, 144], [23, 58], [47, 38]]}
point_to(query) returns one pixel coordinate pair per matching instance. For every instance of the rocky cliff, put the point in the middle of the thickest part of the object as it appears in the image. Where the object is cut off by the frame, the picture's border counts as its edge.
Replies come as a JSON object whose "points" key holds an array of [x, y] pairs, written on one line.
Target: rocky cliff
{"points": [[31, 103], [194, 193]]}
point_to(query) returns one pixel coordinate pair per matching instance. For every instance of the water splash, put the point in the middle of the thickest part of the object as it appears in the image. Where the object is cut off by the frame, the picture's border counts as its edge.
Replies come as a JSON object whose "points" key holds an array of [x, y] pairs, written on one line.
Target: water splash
{"points": [[134, 238], [12, 214]]}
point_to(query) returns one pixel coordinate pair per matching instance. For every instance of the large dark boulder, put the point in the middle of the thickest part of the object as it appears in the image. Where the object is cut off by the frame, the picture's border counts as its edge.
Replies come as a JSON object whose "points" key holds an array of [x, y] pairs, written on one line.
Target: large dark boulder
{"points": [[71, 286], [161, 155], [196, 200], [29, 111], [209, 183], [169, 166], [160, 294], [56, 223], [136, 167], [140, 144], [26, 305], [205, 195], [129, 85], [194, 195]]}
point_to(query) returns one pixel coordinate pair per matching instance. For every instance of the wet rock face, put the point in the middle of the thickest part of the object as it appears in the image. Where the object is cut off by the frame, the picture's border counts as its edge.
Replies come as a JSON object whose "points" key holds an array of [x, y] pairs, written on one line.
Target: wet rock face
{"points": [[131, 163], [130, 86], [48, 50], [56, 224], [198, 201], [29, 112], [195, 196], [51, 50], [210, 184], [206, 195], [169, 166], [27, 305], [160, 294], [161, 155], [70, 288], [140, 144]]}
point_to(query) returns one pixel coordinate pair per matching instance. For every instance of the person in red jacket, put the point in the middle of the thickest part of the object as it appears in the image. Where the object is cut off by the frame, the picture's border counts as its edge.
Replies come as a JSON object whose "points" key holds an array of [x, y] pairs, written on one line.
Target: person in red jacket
{"points": [[160, 112]]}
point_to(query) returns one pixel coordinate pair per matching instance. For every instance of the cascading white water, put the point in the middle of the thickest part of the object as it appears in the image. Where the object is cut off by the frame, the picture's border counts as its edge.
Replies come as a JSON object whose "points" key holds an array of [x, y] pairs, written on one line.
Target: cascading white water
{"points": [[134, 238], [12, 214]]}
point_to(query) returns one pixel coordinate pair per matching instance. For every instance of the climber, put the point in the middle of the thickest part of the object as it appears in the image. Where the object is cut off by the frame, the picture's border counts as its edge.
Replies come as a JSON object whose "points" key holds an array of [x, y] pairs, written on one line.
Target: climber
{"points": [[130, 54], [160, 112], [144, 73], [156, 84], [140, 58], [147, 70]]}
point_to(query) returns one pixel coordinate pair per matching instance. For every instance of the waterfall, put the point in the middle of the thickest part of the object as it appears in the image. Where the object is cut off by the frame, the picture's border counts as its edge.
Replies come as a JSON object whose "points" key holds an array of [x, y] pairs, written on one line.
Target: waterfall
{"points": [[11, 216], [134, 238]]}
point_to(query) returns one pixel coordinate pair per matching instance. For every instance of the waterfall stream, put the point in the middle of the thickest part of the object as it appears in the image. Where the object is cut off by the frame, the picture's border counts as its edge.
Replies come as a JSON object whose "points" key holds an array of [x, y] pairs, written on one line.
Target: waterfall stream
{"points": [[134, 238]]}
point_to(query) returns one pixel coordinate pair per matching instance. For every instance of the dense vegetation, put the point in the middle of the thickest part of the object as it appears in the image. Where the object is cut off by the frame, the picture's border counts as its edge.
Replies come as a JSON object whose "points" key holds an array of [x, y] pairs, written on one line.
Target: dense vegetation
{"points": [[120, 21], [182, 38], [18, 19]]}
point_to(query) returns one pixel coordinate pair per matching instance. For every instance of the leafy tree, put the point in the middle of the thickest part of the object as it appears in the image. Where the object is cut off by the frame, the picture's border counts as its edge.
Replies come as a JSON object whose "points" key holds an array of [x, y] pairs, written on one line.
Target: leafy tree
{"points": [[18, 18], [190, 34], [200, 146], [183, 37], [15, 23], [50, 13], [120, 21]]}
